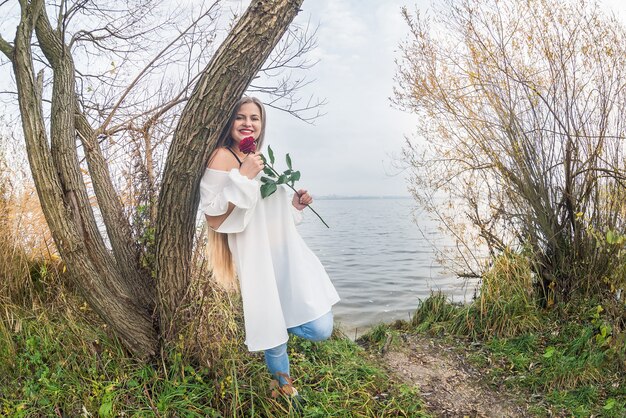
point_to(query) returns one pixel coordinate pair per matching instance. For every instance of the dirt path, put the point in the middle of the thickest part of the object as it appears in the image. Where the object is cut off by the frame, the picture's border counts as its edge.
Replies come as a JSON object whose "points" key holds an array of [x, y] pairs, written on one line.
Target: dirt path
{"points": [[448, 384]]}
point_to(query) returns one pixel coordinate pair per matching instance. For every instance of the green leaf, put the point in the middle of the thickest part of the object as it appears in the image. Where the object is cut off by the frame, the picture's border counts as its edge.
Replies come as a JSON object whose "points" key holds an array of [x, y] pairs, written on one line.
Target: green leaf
{"points": [[288, 158], [282, 179], [610, 404], [106, 408], [271, 154], [266, 179], [269, 172], [605, 330], [267, 189], [295, 176], [611, 237], [549, 352]]}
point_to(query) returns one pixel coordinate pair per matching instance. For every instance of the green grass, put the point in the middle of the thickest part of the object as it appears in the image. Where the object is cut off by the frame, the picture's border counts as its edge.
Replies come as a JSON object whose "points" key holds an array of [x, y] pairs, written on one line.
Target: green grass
{"points": [[504, 307], [569, 361], [59, 363], [579, 374]]}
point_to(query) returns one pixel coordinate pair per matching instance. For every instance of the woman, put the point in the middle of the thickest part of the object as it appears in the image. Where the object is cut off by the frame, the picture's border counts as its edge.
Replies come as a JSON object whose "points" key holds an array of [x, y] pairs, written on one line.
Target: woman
{"points": [[284, 287]]}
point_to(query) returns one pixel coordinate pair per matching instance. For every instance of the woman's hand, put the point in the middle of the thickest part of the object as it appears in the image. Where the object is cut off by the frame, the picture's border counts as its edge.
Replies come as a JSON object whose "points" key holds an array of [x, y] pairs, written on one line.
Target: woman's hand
{"points": [[302, 199], [251, 165]]}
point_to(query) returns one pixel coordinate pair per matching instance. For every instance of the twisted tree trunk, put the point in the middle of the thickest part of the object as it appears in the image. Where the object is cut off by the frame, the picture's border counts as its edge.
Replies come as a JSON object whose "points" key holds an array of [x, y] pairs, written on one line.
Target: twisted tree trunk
{"points": [[61, 189]]}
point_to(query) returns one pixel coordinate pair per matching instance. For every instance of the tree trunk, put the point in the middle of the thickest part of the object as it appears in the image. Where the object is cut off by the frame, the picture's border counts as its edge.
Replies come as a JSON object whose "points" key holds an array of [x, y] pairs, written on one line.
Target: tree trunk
{"points": [[118, 228], [223, 82], [62, 191]]}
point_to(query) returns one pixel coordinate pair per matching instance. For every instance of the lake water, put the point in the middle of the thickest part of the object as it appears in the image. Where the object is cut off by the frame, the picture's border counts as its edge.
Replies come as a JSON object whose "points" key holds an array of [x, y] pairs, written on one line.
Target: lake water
{"points": [[381, 263]]}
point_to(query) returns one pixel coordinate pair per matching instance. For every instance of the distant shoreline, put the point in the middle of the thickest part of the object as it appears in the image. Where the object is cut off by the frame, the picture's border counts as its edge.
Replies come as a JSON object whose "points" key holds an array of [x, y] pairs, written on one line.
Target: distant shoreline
{"points": [[338, 197]]}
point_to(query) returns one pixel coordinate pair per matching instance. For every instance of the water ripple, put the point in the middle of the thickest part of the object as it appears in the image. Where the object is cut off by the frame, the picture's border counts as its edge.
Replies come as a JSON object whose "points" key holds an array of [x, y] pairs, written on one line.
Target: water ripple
{"points": [[378, 259]]}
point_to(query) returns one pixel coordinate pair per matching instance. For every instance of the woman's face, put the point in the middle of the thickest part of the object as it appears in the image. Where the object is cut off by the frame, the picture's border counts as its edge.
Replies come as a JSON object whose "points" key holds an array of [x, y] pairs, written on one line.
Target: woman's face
{"points": [[247, 122]]}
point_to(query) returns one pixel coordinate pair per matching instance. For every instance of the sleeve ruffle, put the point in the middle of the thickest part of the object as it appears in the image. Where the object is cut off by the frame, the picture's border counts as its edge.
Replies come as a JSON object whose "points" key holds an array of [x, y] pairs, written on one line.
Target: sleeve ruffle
{"points": [[218, 189]]}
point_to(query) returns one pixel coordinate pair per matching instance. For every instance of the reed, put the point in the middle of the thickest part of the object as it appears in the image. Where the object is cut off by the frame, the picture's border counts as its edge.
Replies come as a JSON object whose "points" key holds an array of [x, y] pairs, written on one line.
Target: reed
{"points": [[433, 311], [28, 259], [507, 304]]}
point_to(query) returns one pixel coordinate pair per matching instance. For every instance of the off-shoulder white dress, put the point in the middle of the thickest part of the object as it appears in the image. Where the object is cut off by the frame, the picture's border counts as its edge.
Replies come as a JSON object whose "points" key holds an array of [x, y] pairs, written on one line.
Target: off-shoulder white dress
{"points": [[283, 284]]}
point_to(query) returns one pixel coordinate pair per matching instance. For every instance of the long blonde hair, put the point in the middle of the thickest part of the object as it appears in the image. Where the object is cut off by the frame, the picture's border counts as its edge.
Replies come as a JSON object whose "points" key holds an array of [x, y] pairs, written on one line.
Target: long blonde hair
{"points": [[221, 260], [219, 255]]}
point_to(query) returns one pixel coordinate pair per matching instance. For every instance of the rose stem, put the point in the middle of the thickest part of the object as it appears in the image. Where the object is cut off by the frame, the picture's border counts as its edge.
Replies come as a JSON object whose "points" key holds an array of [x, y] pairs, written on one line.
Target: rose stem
{"points": [[292, 188]]}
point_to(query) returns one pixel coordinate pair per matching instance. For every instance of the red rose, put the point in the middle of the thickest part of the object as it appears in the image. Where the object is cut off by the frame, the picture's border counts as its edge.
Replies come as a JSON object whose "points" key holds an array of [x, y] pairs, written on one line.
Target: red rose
{"points": [[247, 145]]}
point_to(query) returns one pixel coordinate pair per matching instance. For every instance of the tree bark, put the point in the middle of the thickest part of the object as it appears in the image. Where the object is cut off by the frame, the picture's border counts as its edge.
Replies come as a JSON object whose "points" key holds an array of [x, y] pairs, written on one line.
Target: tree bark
{"points": [[61, 189], [118, 228], [223, 82]]}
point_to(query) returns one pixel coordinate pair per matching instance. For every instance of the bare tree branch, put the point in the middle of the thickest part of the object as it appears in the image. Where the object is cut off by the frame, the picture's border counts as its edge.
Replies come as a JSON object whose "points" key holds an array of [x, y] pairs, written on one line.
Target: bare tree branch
{"points": [[6, 48], [150, 65]]}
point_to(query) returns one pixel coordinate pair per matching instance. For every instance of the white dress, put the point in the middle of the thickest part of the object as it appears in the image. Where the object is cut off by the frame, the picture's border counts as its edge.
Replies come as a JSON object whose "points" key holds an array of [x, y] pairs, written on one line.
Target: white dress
{"points": [[283, 284]]}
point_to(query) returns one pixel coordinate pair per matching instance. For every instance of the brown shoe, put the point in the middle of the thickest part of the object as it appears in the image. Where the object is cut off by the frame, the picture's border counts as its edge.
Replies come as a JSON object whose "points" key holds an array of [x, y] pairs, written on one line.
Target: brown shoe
{"points": [[287, 391]]}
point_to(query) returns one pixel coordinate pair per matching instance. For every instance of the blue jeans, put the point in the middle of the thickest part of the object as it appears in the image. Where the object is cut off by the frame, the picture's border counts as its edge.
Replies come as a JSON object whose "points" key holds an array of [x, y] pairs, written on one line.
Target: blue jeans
{"points": [[317, 330]]}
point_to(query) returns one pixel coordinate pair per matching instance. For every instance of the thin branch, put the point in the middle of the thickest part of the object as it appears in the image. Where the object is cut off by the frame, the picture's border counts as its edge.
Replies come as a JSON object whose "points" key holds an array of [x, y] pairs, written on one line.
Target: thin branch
{"points": [[157, 110], [151, 63], [6, 48], [83, 35], [60, 26], [297, 112]]}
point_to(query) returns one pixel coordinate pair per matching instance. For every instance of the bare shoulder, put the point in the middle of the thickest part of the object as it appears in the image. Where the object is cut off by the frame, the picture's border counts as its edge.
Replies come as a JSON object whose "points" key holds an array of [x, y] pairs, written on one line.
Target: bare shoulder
{"points": [[222, 159]]}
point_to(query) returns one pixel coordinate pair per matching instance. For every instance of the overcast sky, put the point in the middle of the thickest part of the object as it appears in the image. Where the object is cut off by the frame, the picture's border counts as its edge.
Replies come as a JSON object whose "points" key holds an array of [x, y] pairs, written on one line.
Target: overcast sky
{"points": [[352, 149]]}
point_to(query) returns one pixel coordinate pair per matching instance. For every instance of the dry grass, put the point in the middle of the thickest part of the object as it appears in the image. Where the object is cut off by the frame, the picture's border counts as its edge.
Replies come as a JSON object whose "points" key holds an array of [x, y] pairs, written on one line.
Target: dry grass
{"points": [[507, 301], [217, 324], [216, 316], [28, 256], [506, 306]]}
